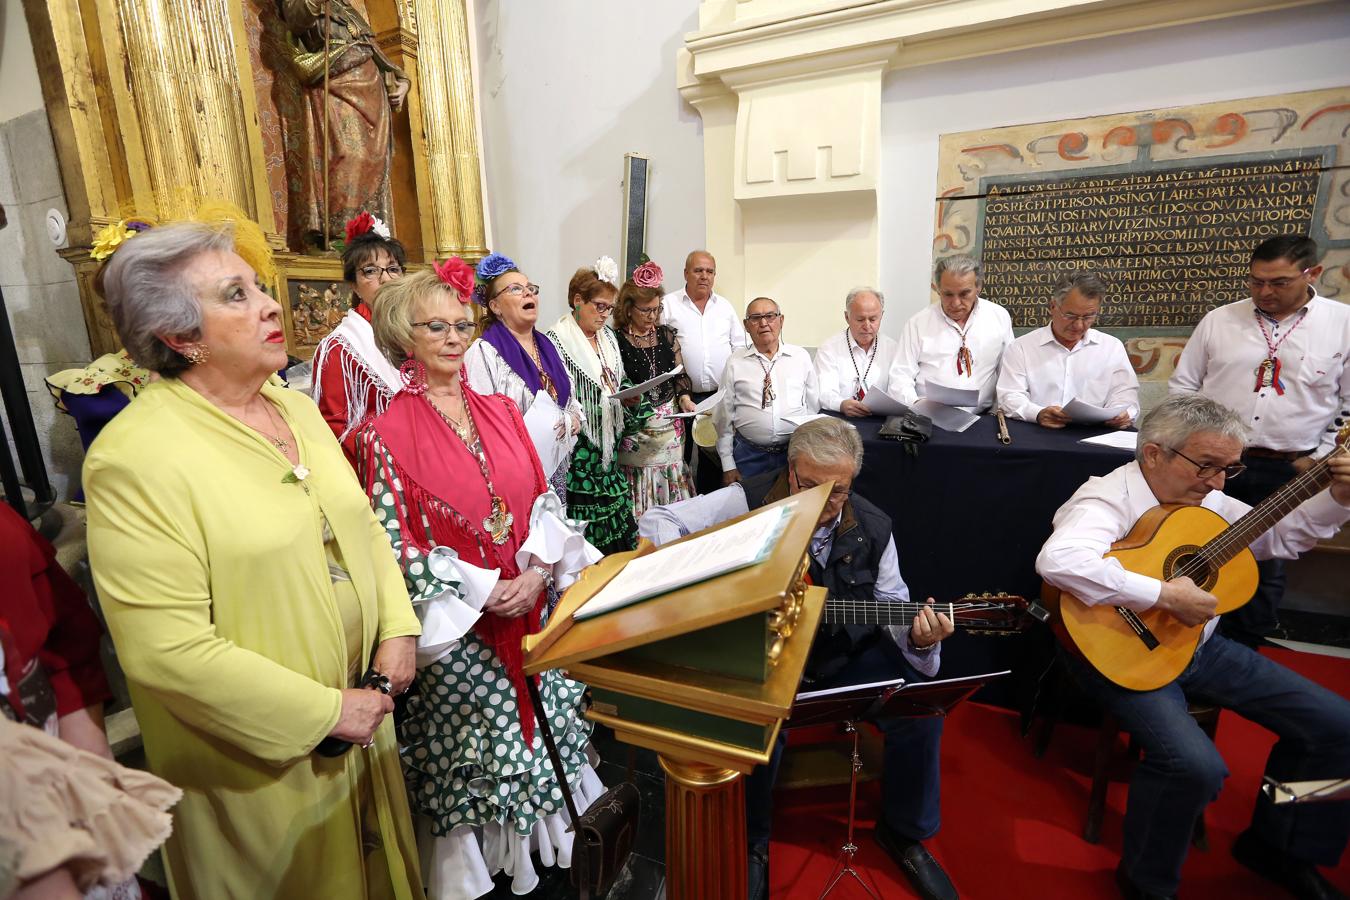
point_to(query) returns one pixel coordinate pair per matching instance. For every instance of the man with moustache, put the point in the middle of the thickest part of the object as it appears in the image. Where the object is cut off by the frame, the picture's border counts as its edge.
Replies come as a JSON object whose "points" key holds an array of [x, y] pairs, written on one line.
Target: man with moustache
{"points": [[957, 342], [709, 330], [1278, 360], [1068, 359], [858, 359], [764, 382]]}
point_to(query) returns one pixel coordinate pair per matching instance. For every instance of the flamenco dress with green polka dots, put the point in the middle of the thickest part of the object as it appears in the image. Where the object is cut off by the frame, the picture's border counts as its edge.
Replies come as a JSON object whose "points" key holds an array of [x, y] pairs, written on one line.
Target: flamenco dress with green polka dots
{"points": [[597, 487], [478, 778]]}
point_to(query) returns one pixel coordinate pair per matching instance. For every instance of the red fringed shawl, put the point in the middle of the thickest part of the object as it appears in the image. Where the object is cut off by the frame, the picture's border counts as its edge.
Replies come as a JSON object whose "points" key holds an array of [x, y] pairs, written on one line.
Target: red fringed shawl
{"points": [[443, 499]]}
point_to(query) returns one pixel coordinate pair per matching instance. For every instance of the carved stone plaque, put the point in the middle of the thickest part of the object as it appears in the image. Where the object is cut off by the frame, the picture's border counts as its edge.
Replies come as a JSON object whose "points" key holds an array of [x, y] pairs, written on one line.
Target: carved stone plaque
{"points": [[1173, 242]]}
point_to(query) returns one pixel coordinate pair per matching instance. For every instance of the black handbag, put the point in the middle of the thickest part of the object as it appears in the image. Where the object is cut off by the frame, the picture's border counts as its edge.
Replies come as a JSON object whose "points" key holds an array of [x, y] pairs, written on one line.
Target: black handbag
{"points": [[605, 834], [909, 428]]}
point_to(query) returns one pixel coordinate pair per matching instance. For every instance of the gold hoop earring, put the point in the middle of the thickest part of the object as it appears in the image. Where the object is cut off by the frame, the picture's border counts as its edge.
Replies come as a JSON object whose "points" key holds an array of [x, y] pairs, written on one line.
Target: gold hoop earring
{"points": [[196, 354]]}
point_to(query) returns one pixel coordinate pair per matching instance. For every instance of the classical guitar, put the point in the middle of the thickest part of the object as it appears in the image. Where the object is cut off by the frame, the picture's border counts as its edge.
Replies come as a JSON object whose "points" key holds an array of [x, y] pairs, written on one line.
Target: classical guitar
{"points": [[989, 613], [1143, 651]]}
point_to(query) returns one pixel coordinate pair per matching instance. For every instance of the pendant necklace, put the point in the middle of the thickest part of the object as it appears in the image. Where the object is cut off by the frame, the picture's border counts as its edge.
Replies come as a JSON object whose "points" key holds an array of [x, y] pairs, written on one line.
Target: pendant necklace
{"points": [[1268, 372], [648, 352], [862, 379], [544, 381], [606, 373], [279, 442], [497, 523], [965, 362]]}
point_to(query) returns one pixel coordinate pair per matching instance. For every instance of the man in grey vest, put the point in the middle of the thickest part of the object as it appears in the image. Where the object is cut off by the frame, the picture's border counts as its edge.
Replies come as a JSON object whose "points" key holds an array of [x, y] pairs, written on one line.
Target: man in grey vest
{"points": [[853, 556]]}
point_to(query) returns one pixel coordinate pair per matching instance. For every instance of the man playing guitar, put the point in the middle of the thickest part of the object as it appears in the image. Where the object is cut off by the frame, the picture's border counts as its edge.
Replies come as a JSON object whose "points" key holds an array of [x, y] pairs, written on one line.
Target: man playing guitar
{"points": [[1188, 447]]}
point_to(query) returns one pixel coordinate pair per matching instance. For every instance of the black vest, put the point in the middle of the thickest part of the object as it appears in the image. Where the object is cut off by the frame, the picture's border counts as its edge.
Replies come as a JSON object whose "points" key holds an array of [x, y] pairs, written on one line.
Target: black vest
{"points": [[849, 572]]}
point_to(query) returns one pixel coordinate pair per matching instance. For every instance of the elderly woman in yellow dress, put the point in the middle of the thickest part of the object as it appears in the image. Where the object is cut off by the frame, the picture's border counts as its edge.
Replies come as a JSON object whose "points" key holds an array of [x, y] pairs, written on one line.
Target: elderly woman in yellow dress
{"points": [[248, 589]]}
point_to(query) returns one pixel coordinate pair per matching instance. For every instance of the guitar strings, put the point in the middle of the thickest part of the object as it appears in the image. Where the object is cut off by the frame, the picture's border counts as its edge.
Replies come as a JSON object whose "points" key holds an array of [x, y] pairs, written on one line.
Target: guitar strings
{"points": [[1234, 538]]}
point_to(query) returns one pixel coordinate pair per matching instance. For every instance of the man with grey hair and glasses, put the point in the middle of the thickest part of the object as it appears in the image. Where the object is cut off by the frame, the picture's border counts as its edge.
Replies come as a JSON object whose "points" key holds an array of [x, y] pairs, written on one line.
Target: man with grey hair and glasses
{"points": [[1189, 448], [1067, 360], [858, 359], [1281, 361], [956, 342], [853, 556]]}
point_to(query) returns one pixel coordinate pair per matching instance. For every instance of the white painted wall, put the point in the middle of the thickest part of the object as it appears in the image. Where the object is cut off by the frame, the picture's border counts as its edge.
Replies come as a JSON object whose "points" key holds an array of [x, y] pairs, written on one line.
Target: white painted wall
{"points": [[1246, 56], [567, 87]]}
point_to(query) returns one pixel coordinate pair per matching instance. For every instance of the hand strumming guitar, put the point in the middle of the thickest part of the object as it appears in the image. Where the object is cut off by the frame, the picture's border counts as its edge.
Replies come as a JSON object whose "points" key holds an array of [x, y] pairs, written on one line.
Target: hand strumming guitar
{"points": [[1186, 602]]}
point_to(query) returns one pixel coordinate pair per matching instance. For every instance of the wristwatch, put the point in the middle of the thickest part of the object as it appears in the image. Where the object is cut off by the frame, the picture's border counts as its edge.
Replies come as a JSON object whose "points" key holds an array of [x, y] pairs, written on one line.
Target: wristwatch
{"points": [[544, 574]]}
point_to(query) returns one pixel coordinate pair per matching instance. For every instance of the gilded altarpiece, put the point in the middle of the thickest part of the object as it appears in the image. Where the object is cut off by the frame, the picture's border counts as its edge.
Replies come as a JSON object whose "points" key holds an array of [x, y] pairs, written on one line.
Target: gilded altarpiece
{"points": [[1166, 204], [157, 105]]}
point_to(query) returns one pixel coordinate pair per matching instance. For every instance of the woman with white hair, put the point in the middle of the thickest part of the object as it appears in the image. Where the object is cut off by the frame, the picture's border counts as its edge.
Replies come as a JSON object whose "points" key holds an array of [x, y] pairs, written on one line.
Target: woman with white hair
{"points": [[247, 587]]}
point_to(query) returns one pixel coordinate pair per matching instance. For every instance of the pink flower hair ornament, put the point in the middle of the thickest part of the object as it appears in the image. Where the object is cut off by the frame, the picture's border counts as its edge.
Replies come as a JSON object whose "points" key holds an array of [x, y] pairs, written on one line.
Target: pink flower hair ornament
{"points": [[459, 275], [648, 275]]}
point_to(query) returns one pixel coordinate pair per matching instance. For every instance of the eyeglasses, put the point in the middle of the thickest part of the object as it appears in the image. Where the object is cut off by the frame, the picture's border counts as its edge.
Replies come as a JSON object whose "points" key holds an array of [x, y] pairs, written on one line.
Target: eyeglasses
{"points": [[1205, 472], [1078, 320], [1278, 284], [372, 271], [649, 311], [602, 308], [757, 318], [836, 493], [519, 290], [441, 329]]}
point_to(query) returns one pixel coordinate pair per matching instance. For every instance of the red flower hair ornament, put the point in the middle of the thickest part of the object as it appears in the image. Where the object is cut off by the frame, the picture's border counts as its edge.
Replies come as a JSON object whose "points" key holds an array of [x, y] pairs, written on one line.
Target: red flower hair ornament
{"points": [[364, 223], [459, 275], [648, 275]]}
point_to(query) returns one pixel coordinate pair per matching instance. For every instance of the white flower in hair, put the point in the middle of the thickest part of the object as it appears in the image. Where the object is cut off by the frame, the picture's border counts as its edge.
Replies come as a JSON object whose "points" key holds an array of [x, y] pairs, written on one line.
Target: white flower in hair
{"points": [[379, 227], [606, 269]]}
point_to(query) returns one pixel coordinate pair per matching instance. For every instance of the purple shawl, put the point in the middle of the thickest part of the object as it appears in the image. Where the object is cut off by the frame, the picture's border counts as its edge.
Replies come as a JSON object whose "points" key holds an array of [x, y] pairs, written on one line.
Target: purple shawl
{"points": [[509, 349]]}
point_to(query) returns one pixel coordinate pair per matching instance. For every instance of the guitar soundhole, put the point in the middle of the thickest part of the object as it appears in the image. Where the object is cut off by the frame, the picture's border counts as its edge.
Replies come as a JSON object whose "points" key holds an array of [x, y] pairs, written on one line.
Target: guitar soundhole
{"points": [[1187, 561]]}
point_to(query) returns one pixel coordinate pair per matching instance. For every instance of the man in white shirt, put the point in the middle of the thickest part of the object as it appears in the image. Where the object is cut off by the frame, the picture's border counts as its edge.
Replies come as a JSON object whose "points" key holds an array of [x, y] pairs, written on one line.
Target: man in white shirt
{"points": [[956, 342], [1189, 447], [858, 359], [1069, 360], [853, 556], [1280, 361], [709, 328], [765, 384]]}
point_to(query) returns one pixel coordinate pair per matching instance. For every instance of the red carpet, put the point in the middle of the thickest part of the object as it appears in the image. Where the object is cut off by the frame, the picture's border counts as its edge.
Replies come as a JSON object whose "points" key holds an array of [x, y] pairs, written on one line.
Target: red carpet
{"points": [[1012, 823]]}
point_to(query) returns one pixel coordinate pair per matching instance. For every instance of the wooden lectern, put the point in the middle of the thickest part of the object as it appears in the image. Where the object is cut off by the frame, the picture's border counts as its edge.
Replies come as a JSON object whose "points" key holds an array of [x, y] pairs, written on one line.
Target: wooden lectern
{"points": [[703, 675]]}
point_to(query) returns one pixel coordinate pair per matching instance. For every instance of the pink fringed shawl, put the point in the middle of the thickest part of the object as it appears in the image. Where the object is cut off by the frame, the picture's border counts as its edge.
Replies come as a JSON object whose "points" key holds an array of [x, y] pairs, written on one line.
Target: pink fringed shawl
{"points": [[444, 499]]}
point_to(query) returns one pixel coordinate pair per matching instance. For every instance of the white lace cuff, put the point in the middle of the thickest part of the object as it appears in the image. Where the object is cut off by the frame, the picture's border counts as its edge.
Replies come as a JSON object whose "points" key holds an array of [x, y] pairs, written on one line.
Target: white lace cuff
{"points": [[556, 543], [448, 616]]}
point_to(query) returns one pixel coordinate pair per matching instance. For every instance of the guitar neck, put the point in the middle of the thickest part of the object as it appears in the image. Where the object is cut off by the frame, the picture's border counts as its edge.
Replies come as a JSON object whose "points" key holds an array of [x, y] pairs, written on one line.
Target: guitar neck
{"points": [[1240, 535], [842, 611]]}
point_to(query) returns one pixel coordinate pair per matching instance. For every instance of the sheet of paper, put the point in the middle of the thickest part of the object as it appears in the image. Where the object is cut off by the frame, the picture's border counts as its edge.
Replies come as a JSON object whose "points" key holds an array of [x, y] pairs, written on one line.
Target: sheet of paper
{"points": [[706, 406], [638, 390], [880, 403], [1079, 411], [1121, 440], [541, 422], [689, 562], [948, 418], [791, 422], [950, 396]]}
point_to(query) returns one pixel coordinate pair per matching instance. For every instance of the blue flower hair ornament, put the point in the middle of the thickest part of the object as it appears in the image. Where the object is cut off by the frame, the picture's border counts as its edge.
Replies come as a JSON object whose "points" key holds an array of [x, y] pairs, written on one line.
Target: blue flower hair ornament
{"points": [[489, 267]]}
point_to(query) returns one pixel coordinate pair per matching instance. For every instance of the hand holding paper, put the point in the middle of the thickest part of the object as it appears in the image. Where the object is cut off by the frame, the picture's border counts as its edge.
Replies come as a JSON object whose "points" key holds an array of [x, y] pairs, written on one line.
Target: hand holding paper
{"points": [[1079, 411], [638, 390]]}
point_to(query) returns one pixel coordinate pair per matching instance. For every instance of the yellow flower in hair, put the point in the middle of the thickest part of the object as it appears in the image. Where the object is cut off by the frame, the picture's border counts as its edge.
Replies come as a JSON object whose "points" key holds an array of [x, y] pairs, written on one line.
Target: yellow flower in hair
{"points": [[109, 238]]}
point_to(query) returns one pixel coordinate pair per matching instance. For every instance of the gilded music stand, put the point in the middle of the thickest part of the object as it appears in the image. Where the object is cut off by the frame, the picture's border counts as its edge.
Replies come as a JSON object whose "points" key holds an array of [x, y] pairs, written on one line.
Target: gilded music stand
{"points": [[704, 675]]}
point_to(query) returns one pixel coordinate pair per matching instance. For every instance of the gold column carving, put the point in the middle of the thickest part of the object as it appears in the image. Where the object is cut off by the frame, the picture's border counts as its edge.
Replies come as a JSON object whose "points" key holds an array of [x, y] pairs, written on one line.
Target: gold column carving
{"points": [[182, 86], [705, 820], [450, 127]]}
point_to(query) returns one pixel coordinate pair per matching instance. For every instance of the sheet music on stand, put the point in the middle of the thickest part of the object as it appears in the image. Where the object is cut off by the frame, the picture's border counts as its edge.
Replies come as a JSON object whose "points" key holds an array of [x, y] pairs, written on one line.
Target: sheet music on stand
{"points": [[1323, 791]]}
